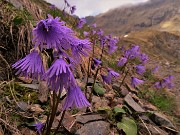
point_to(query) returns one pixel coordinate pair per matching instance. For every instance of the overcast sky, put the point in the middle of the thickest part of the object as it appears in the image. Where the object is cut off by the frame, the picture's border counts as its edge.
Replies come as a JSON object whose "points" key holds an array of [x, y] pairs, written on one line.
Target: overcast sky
{"points": [[94, 7]]}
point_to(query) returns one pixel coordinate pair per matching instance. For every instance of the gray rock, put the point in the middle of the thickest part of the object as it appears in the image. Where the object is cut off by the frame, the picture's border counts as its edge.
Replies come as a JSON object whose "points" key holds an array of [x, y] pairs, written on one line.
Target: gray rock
{"points": [[22, 106], [155, 130], [161, 120], [135, 106], [94, 128], [31, 86], [87, 118], [43, 91], [115, 86]]}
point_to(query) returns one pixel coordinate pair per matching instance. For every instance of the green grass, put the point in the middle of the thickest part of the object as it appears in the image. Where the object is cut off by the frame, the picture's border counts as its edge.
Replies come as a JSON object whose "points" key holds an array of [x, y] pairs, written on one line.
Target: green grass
{"points": [[163, 101]]}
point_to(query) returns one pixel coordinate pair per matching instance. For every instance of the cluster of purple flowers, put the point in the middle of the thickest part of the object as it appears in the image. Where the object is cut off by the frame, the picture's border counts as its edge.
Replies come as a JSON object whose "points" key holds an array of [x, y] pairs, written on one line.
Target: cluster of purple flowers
{"points": [[165, 83], [53, 34], [130, 54]]}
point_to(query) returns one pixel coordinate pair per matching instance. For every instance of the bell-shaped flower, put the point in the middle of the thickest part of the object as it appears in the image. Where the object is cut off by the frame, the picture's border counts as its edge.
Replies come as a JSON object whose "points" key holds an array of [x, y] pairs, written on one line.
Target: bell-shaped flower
{"points": [[39, 127], [81, 23], [51, 33], [73, 9], [108, 78], [75, 99], [135, 81], [140, 69], [59, 75], [144, 58], [122, 61], [80, 48], [30, 66]]}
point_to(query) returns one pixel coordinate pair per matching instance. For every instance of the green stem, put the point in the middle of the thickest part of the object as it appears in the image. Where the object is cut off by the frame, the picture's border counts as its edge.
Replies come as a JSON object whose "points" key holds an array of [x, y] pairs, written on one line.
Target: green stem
{"points": [[102, 51], [60, 122], [87, 77], [51, 116], [124, 78]]}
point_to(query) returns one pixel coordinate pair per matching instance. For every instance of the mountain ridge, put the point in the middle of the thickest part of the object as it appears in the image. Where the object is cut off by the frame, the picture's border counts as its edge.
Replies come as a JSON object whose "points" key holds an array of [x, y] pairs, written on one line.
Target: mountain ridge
{"points": [[151, 14]]}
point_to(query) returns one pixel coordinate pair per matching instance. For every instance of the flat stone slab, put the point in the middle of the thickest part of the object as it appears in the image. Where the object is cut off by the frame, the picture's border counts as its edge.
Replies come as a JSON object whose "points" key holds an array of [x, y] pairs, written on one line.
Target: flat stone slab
{"points": [[87, 118], [135, 106], [94, 128], [161, 120]]}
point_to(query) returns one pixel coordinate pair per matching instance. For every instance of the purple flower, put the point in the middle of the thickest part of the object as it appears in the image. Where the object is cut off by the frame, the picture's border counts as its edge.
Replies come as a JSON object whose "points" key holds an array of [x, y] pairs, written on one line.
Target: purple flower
{"points": [[112, 49], [122, 61], [39, 126], [144, 58], [135, 81], [140, 69], [73, 9], [170, 85], [93, 32], [80, 47], [133, 52], [50, 33], [100, 32], [75, 99], [52, 7], [94, 25], [168, 79], [113, 73], [96, 62], [81, 23], [155, 69], [158, 85], [59, 75], [107, 79], [30, 66], [86, 33]]}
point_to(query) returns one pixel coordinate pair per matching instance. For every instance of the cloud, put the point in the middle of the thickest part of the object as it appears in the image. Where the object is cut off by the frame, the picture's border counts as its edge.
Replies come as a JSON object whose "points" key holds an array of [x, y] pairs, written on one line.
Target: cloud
{"points": [[94, 7]]}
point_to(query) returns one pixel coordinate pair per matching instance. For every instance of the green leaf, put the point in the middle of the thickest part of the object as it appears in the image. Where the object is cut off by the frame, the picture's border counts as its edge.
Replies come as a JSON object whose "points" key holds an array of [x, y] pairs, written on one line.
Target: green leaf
{"points": [[118, 111], [98, 89], [17, 20], [104, 109], [128, 126]]}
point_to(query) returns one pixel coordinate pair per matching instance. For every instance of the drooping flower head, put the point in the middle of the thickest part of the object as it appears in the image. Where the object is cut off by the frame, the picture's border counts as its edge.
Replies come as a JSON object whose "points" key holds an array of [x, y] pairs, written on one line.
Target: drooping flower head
{"points": [[112, 49], [39, 126], [81, 23], [75, 99], [80, 48], [135, 81], [95, 63], [59, 75], [100, 32], [155, 69], [52, 7], [158, 85], [140, 69], [94, 25], [133, 52], [85, 33], [144, 58], [122, 61], [108, 78], [51, 33], [167, 82], [73, 9], [30, 66]]}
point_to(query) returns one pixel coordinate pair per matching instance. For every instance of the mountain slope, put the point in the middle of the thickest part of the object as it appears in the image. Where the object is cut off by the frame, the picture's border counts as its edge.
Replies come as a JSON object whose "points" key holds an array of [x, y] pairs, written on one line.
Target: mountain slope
{"points": [[154, 14]]}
